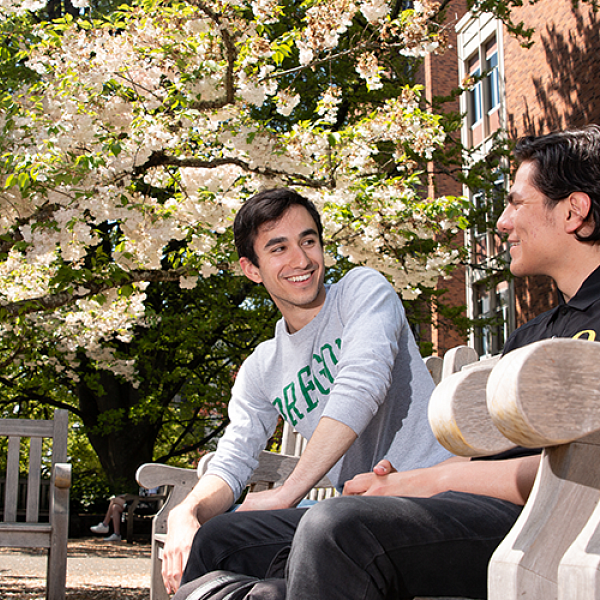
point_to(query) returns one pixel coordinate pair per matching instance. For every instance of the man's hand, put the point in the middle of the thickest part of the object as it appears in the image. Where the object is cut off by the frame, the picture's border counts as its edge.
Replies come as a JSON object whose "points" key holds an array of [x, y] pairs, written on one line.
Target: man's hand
{"points": [[211, 496], [386, 481], [363, 482], [182, 526], [274, 499]]}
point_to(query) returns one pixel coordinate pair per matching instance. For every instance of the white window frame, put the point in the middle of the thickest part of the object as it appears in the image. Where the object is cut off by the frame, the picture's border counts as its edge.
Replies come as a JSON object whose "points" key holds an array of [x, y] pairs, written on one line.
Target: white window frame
{"points": [[473, 37]]}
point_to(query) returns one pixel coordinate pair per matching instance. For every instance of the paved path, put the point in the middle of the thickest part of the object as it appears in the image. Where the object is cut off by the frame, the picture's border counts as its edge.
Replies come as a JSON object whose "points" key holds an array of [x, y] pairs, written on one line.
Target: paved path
{"points": [[90, 562]]}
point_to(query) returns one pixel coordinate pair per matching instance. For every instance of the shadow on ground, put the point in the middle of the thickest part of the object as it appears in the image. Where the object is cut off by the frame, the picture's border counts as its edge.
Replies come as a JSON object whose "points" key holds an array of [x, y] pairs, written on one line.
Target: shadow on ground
{"points": [[17, 592]]}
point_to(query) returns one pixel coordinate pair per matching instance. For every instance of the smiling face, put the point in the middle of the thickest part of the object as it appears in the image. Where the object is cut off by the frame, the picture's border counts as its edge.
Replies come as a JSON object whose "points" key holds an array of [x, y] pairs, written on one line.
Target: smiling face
{"points": [[535, 231], [290, 266]]}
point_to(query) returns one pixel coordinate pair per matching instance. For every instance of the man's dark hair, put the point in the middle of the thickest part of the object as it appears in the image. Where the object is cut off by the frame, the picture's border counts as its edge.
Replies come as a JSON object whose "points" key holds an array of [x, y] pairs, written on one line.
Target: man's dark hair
{"points": [[266, 206], [566, 162]]}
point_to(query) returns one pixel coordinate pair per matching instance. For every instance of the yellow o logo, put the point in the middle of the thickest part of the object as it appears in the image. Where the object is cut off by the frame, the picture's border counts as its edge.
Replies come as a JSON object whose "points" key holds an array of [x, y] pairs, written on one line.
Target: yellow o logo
{"points": [[591, 335]]}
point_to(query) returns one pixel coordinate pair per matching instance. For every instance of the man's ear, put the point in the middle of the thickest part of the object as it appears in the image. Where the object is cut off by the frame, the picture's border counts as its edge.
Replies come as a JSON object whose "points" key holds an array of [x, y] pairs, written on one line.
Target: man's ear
{"points": [[578, 211], [250, 270]]}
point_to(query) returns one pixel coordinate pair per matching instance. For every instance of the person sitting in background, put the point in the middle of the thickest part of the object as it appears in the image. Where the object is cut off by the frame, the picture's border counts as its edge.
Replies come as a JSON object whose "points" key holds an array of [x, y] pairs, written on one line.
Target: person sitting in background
{"points": [[114, 513]]}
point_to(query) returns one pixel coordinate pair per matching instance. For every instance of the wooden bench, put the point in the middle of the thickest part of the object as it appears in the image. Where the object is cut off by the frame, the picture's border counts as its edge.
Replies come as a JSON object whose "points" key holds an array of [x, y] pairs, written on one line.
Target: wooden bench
{"points": [[273, 470], [33, 532], [545, 395]]}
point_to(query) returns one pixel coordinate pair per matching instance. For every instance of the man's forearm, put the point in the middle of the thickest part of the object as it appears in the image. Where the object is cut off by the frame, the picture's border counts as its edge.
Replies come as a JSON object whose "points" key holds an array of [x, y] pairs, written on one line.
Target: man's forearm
{"points": [[504, 479], [329, 442], [510, 479], [211, 496]]}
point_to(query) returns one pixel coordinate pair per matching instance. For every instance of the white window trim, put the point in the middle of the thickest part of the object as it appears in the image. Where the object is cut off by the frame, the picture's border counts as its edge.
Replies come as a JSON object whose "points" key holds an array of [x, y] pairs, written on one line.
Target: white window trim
{"points": [[472, 35]]}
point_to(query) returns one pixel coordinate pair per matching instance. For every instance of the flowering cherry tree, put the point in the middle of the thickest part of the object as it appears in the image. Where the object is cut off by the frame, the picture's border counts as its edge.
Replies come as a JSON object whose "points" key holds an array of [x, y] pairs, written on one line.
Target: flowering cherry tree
{"points": [[129, 141], [144, 131]]}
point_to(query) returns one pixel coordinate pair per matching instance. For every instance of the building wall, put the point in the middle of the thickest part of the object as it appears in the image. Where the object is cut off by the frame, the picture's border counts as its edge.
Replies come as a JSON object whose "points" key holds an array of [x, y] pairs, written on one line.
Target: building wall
{"points": [[555, 84], [552, 85], [439, 75]]}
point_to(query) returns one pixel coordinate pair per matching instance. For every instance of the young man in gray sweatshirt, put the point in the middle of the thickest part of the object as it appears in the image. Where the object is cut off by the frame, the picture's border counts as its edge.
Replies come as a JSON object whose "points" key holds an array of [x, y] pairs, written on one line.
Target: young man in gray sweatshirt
{"points": [[343, 369]]}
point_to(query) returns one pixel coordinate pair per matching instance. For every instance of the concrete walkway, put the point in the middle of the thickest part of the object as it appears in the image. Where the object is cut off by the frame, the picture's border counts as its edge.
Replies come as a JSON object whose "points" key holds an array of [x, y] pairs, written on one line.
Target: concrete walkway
{"points": [[91, 562]]}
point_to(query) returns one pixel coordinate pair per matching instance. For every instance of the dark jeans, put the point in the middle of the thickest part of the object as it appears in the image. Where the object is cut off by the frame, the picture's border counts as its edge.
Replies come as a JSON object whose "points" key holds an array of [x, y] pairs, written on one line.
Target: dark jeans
{"points": [[362, 548]]}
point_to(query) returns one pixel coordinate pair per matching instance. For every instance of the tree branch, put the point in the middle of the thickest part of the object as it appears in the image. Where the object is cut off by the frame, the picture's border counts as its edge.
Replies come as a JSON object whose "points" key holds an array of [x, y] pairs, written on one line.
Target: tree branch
{"points": [[54, 301], [162, 159]]}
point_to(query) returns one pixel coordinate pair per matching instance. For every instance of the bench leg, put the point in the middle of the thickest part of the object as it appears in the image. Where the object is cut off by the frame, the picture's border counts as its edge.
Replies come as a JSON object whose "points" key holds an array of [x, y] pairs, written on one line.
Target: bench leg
{"points": [[579, 569], [56, 579], [565, 494], [157, 587]]}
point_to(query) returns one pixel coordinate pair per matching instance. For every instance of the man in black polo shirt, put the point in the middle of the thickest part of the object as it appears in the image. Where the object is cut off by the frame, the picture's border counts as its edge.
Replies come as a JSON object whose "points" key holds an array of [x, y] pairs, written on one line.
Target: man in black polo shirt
{"points": [[430, 532]]}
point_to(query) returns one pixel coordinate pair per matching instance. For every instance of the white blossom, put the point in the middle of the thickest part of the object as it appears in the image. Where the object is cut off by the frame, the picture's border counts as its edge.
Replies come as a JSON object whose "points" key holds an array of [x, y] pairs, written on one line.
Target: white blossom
{"points": [[152, 133]]}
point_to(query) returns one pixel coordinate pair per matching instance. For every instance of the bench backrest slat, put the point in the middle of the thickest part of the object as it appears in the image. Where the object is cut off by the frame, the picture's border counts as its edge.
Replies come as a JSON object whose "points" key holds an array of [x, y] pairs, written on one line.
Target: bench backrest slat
{"points": [[11, 489], [27, 428], [59, 433], [33, 480]]}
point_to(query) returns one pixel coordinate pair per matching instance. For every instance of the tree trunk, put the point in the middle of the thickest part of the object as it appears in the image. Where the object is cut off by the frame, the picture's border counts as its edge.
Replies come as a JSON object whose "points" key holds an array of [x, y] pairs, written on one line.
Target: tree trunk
{"points": [[121, 443]]}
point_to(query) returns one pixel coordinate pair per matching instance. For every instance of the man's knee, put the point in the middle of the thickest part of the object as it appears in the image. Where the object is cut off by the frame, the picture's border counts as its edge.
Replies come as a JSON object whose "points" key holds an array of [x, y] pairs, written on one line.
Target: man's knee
{"points": [[328, 521], [212, 532]]}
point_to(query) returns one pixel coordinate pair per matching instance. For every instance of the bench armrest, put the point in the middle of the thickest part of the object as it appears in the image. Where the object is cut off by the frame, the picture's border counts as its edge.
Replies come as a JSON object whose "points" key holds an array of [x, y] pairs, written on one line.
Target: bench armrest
{"points": [[62, 475], [546, 393]]}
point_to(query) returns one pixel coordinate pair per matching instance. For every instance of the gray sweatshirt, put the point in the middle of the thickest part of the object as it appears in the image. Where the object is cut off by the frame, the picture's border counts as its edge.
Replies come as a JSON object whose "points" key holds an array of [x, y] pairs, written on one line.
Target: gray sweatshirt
{"points": [[355, 362]]}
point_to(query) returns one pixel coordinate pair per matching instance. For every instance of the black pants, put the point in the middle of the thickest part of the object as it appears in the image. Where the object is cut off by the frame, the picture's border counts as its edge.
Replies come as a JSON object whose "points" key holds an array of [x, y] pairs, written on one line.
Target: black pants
{"points": [[362, 548]]}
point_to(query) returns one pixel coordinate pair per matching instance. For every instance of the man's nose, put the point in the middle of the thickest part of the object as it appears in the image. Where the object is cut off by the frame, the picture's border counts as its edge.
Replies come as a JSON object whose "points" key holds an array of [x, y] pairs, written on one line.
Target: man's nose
{"points": [[504, 222], [300, 258]]}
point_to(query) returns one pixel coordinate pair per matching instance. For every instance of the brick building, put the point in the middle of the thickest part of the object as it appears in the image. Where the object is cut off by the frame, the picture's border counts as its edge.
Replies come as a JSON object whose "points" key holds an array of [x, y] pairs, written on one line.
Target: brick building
{"points": [[552, 85]]}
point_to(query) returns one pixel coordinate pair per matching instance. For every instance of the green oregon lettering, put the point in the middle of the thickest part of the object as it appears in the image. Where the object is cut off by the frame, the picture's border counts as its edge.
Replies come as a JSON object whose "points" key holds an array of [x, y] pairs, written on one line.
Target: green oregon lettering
{"points": [[591, 335], [290, 391], [278, 404], [324, 371], [307, 382], [334, 359], [307, 386]]}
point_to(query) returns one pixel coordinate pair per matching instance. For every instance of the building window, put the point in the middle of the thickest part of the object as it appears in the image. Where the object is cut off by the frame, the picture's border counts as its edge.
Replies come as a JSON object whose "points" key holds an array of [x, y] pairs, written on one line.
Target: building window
{"points": [[476, 99], [493, 315], [489, 295], [486, 243], [493, 82], [480, 62]]}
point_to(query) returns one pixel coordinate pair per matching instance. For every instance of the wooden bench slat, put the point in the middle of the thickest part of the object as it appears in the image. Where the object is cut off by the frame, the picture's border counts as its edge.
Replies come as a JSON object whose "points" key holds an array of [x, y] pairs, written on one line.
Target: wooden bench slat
{"points": [[547, 393], [11, 490], [456, 358], [24, 527], [60, 436], [26, 428], [466, 428], [33, 480], [25, 539]]}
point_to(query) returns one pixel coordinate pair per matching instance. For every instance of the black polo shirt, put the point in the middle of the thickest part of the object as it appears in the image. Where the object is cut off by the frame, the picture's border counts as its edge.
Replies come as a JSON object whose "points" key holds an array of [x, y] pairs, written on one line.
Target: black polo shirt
{"points": [[578, 318]]}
